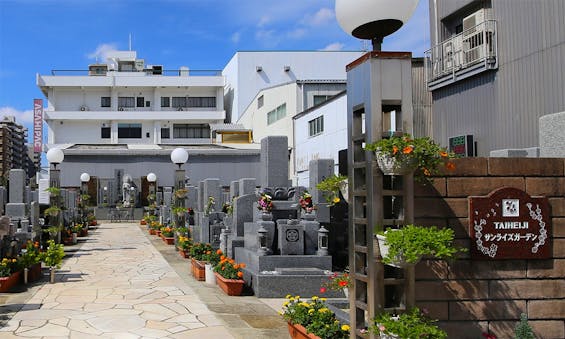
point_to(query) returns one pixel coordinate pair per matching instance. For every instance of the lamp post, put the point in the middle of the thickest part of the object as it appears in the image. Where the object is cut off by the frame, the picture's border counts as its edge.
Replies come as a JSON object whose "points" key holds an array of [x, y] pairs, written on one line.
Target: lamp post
{"points": [[84, 179], [55, 156], [152, 179], [179, 156]]}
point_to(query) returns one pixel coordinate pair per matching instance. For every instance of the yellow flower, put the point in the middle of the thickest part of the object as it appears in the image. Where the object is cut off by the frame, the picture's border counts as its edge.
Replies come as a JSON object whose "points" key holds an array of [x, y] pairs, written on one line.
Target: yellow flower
{"points": [[291, 298], [345, 328], [336, 200], [305, 304], [286, 303], [310, 311], [314, 298], [323, 299], [281, 312]]}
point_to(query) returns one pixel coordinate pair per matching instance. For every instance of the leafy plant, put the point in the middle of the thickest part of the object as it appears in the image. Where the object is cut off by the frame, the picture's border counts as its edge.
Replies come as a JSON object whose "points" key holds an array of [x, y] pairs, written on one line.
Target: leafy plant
{"points": [[198, 250], [330, 187], [52, 211], [411, 325], [227, 208], [184, 243], [210, 205], [336, 282], [30, 254], [53, 256], [212, 257], [53, 191], [426, 155], [315, 316], [410, 243], [228, 268], [167, 232], [523, 330], [181, 193], [8, 266], [179, 210]]}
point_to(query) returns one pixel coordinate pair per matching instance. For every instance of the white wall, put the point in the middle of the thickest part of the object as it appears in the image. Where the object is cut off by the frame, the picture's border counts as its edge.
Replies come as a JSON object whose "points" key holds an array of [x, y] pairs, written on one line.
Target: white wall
{"points": [[323, 146], [241, 74]]}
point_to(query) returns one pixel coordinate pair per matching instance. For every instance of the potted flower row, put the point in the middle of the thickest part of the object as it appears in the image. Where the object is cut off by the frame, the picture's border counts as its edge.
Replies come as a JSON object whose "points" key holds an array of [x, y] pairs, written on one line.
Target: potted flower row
{"points": [[312, 319], [183, 245], [168, 235]]}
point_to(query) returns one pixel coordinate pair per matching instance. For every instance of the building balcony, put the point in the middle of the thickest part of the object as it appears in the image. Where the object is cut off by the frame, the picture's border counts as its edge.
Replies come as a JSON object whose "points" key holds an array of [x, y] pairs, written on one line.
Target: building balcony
{"points": [[461, 56], [198, 115]]}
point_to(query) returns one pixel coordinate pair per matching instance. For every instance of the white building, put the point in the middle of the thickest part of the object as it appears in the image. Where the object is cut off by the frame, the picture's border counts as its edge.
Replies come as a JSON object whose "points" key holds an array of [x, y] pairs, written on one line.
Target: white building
{"points": [[125, 117]]}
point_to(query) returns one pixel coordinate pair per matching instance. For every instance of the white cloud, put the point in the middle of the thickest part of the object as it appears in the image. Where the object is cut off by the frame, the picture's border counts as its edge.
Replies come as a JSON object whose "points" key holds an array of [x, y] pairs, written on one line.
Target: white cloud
{"points": [[235, 37], [263, 21], [324, 15], [336, 46], [102, 51], [296, 33], [22, 117], [268, 38]]}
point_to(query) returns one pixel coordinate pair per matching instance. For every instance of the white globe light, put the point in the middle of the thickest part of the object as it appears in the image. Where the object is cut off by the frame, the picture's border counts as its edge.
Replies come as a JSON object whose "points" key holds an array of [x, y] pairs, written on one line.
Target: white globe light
{"points": [[85, 177], [55, 155], [368, 19], [151, 177], [179, 156]]}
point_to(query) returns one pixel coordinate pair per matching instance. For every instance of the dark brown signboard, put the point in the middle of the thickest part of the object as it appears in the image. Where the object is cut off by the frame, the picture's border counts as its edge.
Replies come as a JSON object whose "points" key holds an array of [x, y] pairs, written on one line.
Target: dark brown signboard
{"points": [[509, 224]]}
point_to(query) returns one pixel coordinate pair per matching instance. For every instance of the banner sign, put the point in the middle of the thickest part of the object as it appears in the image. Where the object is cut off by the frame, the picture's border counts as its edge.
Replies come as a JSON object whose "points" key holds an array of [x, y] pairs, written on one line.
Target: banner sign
{"points": [[509, 224], [37, 125]]}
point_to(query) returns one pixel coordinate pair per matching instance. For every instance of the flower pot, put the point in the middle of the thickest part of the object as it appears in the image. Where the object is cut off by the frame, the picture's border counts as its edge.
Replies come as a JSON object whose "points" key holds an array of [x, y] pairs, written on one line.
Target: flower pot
{"points": [[143, 222], [230, 286], [7, 283], [74, 238], [395, 166], [210, 277], [158, 233], [399, 261], [168, 240], [34, 272], [266, 216], [152, 231], [83, 232], [183, 254], [297, 331], [198, 269]]}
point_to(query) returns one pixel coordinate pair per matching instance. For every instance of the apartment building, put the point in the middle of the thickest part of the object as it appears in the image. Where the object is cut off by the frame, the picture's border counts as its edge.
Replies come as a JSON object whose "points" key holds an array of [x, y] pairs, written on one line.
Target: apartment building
{"points": [[14, 149]]}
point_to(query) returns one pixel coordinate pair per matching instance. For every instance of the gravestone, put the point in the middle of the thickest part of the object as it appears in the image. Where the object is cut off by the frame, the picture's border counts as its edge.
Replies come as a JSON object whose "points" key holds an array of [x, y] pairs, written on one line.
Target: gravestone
{"points": [[274, 162], [319, 170], [192, 197], [211, 188], [5, 228], [34, 216], [234, 189], [168, 196], [243, 211], [247, 186], [159, 198], [17, 185], [201, 200], [291, 237], [311, 227]]}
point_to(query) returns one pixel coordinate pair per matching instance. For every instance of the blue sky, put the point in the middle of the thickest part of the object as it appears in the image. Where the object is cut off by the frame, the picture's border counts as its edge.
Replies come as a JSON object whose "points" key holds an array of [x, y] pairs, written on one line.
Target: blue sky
{"points": [[37, 36]]}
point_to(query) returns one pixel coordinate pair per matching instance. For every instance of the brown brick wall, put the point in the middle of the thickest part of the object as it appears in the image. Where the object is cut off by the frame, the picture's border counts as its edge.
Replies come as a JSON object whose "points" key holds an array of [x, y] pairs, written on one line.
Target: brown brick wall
{"points": [[470, 297]]}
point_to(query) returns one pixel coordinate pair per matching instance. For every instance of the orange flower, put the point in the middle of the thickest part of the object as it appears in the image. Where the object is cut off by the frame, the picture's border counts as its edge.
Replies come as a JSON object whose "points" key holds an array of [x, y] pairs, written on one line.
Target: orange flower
{"points": [[450, 166], [242, 265], [394, 150], [219, 252], [222, 257], [426, 172], [443, 154], [343, 283], [407, 149], [208, 252], [240, 274], [236, 267]]}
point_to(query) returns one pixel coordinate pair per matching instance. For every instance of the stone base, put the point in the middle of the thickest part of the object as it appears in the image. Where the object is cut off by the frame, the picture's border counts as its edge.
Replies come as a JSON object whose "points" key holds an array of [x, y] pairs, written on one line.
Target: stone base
{"points": [[275, 276]]}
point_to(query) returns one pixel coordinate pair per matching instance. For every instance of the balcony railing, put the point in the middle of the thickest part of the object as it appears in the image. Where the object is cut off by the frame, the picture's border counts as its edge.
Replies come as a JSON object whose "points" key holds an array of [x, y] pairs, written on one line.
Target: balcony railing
{"points": [[461, 56], [178, 72]]}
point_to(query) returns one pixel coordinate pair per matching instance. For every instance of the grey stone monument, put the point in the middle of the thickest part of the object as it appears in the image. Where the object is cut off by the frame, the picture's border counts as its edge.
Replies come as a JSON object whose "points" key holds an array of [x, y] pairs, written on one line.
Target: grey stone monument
{"points": [[274, 162]]}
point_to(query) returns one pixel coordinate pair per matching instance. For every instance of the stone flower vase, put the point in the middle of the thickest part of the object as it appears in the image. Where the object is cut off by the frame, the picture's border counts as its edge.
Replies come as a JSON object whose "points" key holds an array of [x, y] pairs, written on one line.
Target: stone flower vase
{"points": [[210, 277]]}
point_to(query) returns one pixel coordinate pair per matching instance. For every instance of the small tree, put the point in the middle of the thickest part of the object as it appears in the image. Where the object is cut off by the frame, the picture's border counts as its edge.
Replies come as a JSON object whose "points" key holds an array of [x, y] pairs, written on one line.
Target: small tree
{"points": [[523, 330]]}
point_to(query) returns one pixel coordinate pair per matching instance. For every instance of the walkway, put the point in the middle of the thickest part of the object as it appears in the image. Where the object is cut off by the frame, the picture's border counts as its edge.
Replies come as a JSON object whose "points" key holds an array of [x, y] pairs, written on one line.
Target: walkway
{"points": [[122, 283]]}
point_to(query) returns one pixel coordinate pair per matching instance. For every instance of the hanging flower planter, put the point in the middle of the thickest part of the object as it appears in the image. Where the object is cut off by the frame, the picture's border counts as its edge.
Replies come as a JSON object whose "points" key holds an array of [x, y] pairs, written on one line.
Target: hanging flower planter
{"points": [[395, 165]]}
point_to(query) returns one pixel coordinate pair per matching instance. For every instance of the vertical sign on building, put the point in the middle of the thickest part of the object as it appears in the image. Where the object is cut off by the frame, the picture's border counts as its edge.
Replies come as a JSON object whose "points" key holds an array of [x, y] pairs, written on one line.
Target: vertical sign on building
{"points": [[37, 125]]}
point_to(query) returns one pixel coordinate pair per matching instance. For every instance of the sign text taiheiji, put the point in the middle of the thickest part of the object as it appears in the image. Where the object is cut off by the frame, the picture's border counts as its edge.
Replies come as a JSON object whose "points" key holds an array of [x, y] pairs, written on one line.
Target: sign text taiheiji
{"points": [[37, 125], [509, 224]]}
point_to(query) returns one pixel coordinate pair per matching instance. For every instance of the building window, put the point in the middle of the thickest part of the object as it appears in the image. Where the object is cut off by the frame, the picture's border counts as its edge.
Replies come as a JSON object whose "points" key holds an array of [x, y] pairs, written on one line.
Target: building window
{"points": [[179, 102], [105, 102], [276, 114], [318, 99], [183, 131], [201, 102], [260, 102], [129, 131], [140, 101], [165, 133], [165, 102], [126, 102], [105, 132], [316, 126]]}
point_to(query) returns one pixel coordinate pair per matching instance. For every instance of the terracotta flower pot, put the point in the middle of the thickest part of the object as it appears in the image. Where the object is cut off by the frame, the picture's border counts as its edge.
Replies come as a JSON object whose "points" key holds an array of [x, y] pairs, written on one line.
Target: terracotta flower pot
{"points": [[152, 231], [183, 254], [198, 270], [299, 332], [169, 240], [142, 222], [6, 283], [230, 286]]}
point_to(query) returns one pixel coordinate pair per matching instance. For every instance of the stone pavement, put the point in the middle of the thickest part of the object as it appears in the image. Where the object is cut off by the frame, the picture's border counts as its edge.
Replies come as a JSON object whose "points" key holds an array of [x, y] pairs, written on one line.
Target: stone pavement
{"points": [[123, 283]]}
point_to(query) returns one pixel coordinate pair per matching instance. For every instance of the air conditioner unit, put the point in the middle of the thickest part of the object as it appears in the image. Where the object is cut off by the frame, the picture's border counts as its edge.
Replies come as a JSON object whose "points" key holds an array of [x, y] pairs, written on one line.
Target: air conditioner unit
{"points": [[84, 108], [452, 50], [470, 22]]}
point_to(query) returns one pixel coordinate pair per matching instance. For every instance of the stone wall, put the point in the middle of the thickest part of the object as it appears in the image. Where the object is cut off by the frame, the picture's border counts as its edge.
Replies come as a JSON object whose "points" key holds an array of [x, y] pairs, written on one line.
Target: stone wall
{"points": [[470, 297]]}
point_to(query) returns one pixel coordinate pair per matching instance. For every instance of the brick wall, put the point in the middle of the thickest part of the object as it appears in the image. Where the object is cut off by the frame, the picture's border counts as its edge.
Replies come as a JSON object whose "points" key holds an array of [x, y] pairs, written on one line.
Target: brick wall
{"points": [[470, 297]]}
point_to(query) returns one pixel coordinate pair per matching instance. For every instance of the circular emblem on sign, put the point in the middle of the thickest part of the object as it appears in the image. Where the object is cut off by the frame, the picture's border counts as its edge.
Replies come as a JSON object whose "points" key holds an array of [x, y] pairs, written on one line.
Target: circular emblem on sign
{"points": [[292, 235]]}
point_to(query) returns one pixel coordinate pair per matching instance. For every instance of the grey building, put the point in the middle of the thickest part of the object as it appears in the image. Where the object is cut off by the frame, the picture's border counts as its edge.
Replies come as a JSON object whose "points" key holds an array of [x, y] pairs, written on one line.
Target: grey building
{"points": [[14, 152], [496, 67]]}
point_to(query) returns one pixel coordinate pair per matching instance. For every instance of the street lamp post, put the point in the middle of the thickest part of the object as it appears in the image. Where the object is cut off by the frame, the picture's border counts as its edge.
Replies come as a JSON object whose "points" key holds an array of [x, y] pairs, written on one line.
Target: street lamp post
{"points": [[55, 156], [152, 179], [179, 156], [84, 179]]}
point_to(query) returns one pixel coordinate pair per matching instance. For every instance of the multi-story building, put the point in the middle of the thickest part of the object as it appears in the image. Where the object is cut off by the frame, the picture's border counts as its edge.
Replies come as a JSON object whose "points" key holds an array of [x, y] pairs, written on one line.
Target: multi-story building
{"points": [[125, 117], [14, 150], [495, 67]]}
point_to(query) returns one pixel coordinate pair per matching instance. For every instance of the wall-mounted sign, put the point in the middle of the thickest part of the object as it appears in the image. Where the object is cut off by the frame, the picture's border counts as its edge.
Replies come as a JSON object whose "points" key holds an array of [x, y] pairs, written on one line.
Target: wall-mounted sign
{"points": [[37, 125], [509, 224], [462, 145]]}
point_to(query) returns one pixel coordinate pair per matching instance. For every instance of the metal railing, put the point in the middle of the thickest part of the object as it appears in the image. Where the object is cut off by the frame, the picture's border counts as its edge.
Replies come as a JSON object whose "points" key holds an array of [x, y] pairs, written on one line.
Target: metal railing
{"points": [[474, 48], [149, 72]]}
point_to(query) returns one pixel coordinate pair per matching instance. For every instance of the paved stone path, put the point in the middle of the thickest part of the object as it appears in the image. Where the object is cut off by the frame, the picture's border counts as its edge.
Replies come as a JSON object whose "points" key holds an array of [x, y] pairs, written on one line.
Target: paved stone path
{"points": [[118, 284]]}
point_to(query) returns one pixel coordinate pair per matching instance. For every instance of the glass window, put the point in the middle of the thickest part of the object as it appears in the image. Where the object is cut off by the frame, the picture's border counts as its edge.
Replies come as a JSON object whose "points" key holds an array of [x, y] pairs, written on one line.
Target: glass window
{"points": [[318, 99], [165, 102], [276, 114], [105, 102], [201, 102], [184, 131], [140, 101], [260, 102], [316, 126], [165, 133], [105, 132], [126, 102], [179, 102], [131, 131]]}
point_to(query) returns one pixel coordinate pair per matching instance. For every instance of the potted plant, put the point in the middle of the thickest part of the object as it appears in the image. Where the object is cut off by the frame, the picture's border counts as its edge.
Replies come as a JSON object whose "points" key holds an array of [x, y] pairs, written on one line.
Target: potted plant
{"points": [[211, 259], [337, 281], [210, 205], [229, 276], [400, 155], [30, 260], [265, 203], [332, 186], [52, 211], [408, 244], [312, 319], [197, 252], [167, 234], [411, 325], [184, 244], [179, 210], [9, 274], [181, 193], [53, 257]]}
